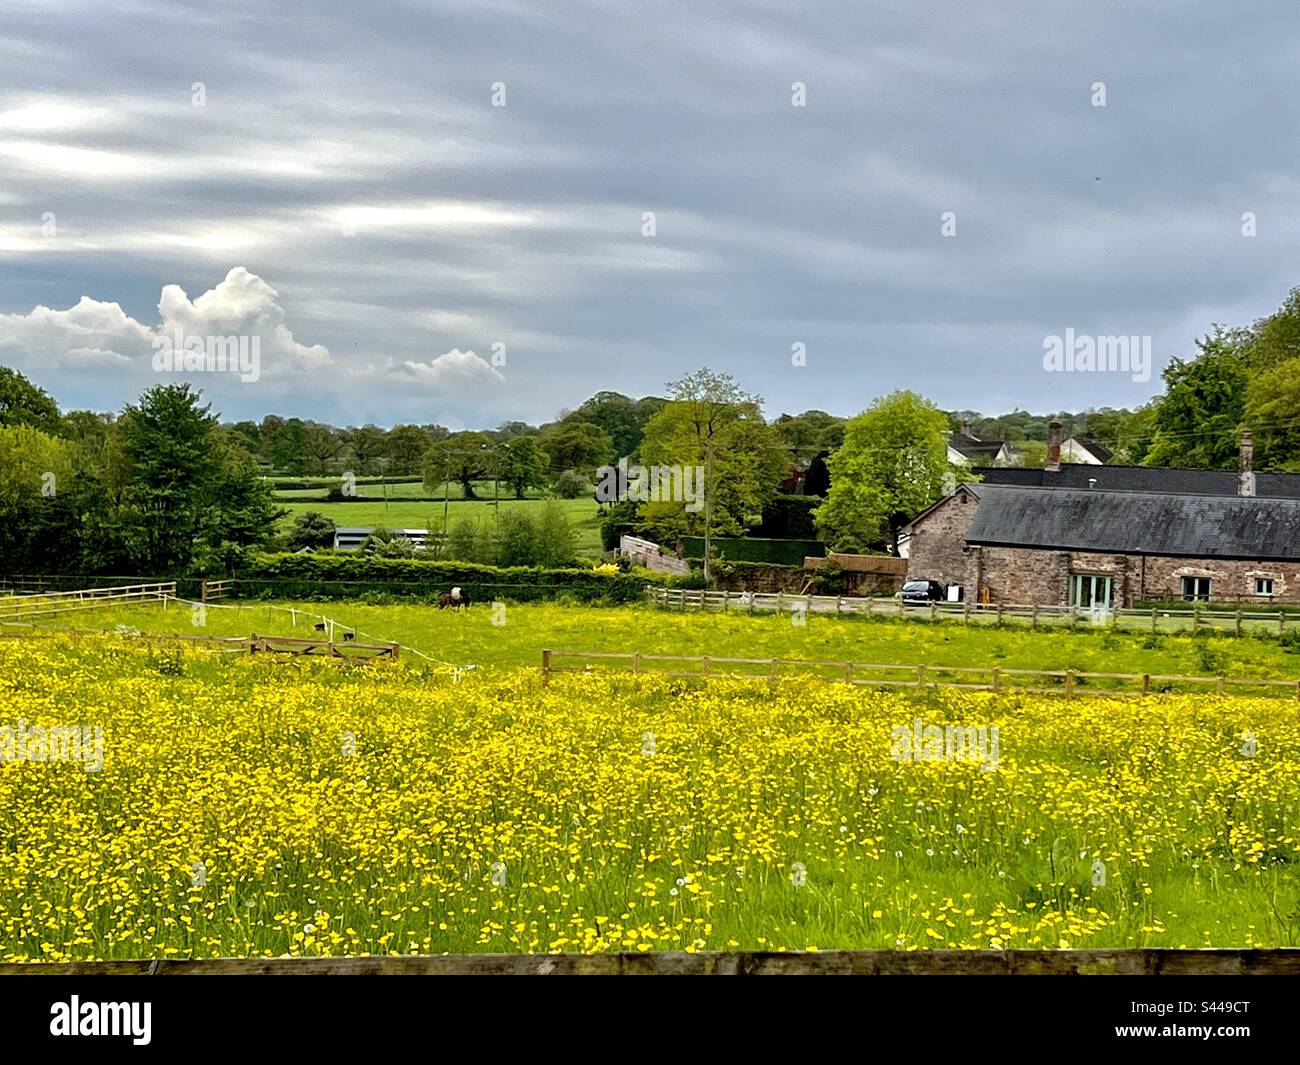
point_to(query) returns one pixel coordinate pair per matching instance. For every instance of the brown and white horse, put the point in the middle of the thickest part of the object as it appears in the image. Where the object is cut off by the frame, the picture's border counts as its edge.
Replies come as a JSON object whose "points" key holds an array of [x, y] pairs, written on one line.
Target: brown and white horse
{"points": [[456, 598]]}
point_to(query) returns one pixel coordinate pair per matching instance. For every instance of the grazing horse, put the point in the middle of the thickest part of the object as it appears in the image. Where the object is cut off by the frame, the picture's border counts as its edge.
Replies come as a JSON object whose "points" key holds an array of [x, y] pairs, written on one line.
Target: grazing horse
{"points": [[457, 597]]}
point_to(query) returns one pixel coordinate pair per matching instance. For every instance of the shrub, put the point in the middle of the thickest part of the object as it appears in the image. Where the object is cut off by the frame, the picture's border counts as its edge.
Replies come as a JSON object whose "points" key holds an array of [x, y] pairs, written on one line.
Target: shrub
{"points": [[571, 485], [312, 529]]}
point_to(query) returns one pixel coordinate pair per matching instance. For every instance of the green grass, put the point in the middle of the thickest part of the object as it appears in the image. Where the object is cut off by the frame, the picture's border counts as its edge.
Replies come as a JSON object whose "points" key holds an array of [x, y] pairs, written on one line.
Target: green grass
{"points": [[471, 637], [582, 514]]}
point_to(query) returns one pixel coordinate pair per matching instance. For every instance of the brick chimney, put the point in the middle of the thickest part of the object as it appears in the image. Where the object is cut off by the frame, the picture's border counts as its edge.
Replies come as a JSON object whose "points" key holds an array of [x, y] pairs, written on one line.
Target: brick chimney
{"points": [[1054, 446], [1246, 474]]}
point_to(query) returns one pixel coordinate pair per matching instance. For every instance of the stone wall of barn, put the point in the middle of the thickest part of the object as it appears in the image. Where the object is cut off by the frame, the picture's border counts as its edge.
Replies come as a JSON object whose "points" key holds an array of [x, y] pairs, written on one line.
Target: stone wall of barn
{"points": [[937, 549], [1022, 575]]}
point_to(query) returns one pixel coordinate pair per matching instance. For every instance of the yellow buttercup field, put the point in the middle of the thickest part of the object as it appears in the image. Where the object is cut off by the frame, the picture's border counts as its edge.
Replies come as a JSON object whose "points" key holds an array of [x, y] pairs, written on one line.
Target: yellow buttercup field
{"points": [[253, 807]]}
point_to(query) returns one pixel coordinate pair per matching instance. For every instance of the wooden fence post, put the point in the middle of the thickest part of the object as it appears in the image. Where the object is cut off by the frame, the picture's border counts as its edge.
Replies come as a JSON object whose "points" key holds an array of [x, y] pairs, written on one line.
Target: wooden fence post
{"points": [[848, 672], [1069, 684], [1146, 683], [1238, 622], [636, 662], [1033, 616], [1218, 685], [546, 667], [1281, 621], [934, 611], [772, 679], [1153, 619], [920, 678], [997, 679], [706, 665]]}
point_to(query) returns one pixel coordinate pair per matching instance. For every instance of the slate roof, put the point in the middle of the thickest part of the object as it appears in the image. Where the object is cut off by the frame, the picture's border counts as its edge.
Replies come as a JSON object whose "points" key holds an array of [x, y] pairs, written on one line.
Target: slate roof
{"points": [[1137, 523], [1143, 479], [1094, 447], [972, 447]]}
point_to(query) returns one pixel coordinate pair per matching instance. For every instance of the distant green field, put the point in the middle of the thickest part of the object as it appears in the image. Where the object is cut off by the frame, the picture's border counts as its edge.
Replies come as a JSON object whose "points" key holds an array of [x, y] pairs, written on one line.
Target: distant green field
{"points": [[582, 513]]}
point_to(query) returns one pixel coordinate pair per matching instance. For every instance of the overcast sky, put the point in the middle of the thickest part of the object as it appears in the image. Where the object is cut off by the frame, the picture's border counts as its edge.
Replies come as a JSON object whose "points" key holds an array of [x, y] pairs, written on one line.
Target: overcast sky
{"points": [[348, 193]]}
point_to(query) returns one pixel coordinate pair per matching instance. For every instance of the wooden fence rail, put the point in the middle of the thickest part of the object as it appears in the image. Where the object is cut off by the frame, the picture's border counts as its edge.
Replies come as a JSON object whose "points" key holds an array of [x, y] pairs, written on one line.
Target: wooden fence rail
{"points": [[41, 604], [1120, 962], [919, 677], [211, 591], [345, 649], [1154, 619]]}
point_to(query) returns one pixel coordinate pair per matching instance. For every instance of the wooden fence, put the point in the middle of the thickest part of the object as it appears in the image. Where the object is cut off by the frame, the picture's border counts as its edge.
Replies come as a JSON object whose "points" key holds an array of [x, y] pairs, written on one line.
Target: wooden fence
{"points": [[345, 649], [1118, 962], [42, 604], [211, 591], [920, 678], [1154, 619]]}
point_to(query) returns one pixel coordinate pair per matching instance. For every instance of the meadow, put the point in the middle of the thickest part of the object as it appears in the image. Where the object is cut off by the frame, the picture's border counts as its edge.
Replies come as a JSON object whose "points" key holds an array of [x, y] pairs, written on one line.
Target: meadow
{"points": [[247, 806], [472, 637]]}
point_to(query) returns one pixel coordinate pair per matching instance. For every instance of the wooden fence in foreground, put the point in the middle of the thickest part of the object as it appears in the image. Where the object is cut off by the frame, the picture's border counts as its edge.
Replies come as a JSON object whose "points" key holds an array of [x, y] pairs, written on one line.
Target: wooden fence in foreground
{"points": [[1156, 619], [920, 678], [1270, 962]]}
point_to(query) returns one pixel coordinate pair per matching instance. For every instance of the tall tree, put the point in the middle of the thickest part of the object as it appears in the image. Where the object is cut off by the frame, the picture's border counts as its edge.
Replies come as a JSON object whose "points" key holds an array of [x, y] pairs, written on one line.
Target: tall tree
{"points": [[888, 470], [189, 497], [407, 445], [462, 457], [712, 425], [40, 518], [1198, 420], [365, 447], [522, 464], [168, 440], [577, 445], [23, 403]]}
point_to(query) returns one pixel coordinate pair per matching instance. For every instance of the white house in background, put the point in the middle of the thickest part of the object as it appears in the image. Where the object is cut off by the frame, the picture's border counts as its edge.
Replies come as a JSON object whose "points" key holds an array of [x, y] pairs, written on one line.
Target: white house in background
{"points": [[352, 539], [967, 449], [1085, 450]]}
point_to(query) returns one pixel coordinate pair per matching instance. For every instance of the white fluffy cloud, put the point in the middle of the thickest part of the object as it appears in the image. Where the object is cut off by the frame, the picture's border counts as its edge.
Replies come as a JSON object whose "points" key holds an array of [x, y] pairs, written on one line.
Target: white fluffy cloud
{"points": [[97, 335], [453, 371], [242, 305], [91, 333]]}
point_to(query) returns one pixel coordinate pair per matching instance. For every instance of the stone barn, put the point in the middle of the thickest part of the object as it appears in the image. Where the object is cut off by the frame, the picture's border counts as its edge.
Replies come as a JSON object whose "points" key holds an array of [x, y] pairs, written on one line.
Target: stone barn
{"points": [[1100, 540]]}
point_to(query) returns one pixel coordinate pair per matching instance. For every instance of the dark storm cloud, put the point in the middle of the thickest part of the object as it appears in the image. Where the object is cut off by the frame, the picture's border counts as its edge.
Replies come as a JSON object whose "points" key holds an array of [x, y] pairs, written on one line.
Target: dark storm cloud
{"points": [[348, 156]]}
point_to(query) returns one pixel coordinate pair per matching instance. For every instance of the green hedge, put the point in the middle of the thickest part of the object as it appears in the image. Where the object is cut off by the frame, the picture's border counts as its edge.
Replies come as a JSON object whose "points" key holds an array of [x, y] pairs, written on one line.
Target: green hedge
{"points": [[753, 549], [330, 576], [300, 483], [789, 517]]}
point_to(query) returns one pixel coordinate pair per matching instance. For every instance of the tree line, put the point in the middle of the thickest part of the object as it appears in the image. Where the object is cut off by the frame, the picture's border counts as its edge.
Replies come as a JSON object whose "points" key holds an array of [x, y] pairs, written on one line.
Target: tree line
{"points": [[163, 486]]}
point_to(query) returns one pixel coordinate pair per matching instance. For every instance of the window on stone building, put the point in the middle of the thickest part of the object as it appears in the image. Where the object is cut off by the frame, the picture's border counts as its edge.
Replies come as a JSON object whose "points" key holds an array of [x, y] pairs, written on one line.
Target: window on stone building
{"points": [[1092, 590], [1196, 587], [1263, 585]]}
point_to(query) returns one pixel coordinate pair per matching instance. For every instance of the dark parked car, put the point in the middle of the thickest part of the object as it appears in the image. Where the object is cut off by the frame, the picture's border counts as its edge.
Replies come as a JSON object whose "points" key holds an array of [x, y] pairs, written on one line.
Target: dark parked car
{"points": [[922, 593]]}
